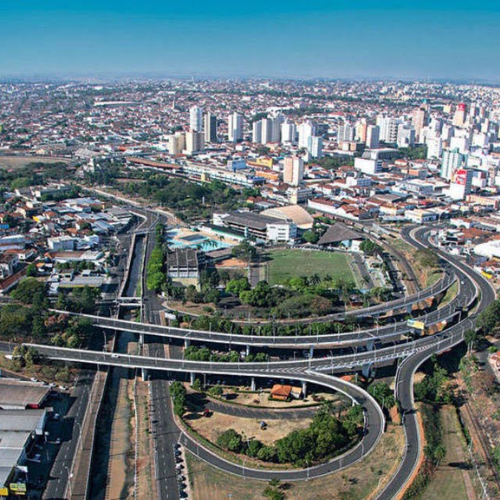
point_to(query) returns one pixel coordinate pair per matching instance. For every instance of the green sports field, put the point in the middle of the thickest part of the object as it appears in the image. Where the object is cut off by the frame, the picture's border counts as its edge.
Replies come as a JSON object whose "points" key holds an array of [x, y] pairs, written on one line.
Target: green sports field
{"points": [[286, 264]]}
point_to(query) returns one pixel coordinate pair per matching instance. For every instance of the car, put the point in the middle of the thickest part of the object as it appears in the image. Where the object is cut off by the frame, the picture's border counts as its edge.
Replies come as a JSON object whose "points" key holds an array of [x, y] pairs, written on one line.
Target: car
{"points": [[36, 458], [56, 416], [114, 355], [33, 379]]}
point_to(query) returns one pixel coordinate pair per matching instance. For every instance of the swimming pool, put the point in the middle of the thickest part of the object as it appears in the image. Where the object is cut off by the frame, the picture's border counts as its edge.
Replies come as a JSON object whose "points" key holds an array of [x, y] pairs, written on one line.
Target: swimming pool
{"points": [[201, 242]]}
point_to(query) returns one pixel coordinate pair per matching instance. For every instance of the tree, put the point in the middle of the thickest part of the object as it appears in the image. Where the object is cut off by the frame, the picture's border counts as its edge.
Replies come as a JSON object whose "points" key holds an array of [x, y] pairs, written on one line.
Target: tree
{"points": [[382, 393], [310, 236], [31, 271], [28, 289], [237, 286], [244, 251], [490, 317], [368, 247], [230, 440]]}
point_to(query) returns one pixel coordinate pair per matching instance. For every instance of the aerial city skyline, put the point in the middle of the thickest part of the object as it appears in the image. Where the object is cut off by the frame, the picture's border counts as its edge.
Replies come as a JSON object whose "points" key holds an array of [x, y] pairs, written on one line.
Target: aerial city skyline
{"points": [[249, 251]]}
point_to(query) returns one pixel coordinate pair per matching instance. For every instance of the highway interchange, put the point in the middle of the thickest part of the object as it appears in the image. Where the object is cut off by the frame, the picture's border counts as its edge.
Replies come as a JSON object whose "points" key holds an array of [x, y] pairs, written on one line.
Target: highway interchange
{"points": [[474, 292]]}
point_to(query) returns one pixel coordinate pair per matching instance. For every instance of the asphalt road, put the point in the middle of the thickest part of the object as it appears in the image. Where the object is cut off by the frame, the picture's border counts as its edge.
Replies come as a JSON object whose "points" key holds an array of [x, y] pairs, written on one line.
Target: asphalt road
{"points": [[70, 428], [306, 370], [165, 431], [407, 369]]}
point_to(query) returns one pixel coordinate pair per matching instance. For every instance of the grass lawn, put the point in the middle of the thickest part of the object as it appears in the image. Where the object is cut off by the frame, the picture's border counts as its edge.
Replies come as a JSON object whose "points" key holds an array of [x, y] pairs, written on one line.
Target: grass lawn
{"points": [[453, 480], [286, 264]]}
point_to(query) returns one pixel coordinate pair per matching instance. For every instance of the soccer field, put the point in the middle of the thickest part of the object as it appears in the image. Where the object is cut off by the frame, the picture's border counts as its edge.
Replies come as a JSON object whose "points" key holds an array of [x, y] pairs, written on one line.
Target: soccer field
{"points": [[286, 264]]}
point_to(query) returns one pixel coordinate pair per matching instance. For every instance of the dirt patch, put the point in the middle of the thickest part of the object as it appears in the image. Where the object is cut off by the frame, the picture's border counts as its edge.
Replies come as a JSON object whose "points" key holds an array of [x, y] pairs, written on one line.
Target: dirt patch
{"points": [[211, 428], [261, 400], [232, 263]]}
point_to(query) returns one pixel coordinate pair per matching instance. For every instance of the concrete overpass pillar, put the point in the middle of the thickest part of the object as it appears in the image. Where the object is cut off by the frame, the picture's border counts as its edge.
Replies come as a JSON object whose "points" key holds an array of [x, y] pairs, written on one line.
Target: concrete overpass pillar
{"points": [[141, 339], [367, 370], [144, 373], [311, 351], [369, 345], [304, 389], [187, 343], [248, 349], [253, 386], [192, 378]]}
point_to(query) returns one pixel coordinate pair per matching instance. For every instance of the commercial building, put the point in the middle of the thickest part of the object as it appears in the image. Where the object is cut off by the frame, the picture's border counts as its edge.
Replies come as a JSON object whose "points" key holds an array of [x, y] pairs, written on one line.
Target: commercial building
{"points": [[368, 166], [261, 227], [461, 184], [19, 430], [18, 394]]}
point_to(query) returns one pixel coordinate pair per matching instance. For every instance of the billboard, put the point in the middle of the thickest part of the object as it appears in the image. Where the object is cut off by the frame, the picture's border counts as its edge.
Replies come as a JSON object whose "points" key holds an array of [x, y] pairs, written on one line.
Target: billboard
{"points": [[460, 177]]}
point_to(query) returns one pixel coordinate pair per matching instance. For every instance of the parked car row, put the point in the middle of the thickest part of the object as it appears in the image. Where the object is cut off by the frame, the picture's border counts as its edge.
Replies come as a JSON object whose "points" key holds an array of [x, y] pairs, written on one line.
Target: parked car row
{"points": [[180, 470]]}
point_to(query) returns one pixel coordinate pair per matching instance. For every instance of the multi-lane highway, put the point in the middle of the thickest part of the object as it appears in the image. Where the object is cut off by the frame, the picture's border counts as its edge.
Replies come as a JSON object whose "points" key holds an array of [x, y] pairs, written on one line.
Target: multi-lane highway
{"points": [[407, 369], [314, 370]]}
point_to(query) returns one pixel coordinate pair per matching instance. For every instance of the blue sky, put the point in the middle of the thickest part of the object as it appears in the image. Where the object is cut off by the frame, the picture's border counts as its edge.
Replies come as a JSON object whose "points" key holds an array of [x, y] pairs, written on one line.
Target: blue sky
{"points": [[306, 38]]}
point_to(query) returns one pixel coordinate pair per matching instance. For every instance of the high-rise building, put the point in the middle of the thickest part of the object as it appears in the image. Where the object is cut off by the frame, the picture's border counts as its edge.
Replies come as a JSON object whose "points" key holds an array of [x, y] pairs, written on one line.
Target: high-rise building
{"points": [[461, 184], [462, 143], [419, 121], [372, 136], [288, 132], [361, 130], [176, 143], [345, 133], [235, 127], [257, 132], [194, 142], [276, 120], [388, 129], [452, 160], [434, 147], [315, 146], [406, 136], [293, 171], [459, 116], [210, 127], [306, 130], [267, 130], [195, 119]]}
